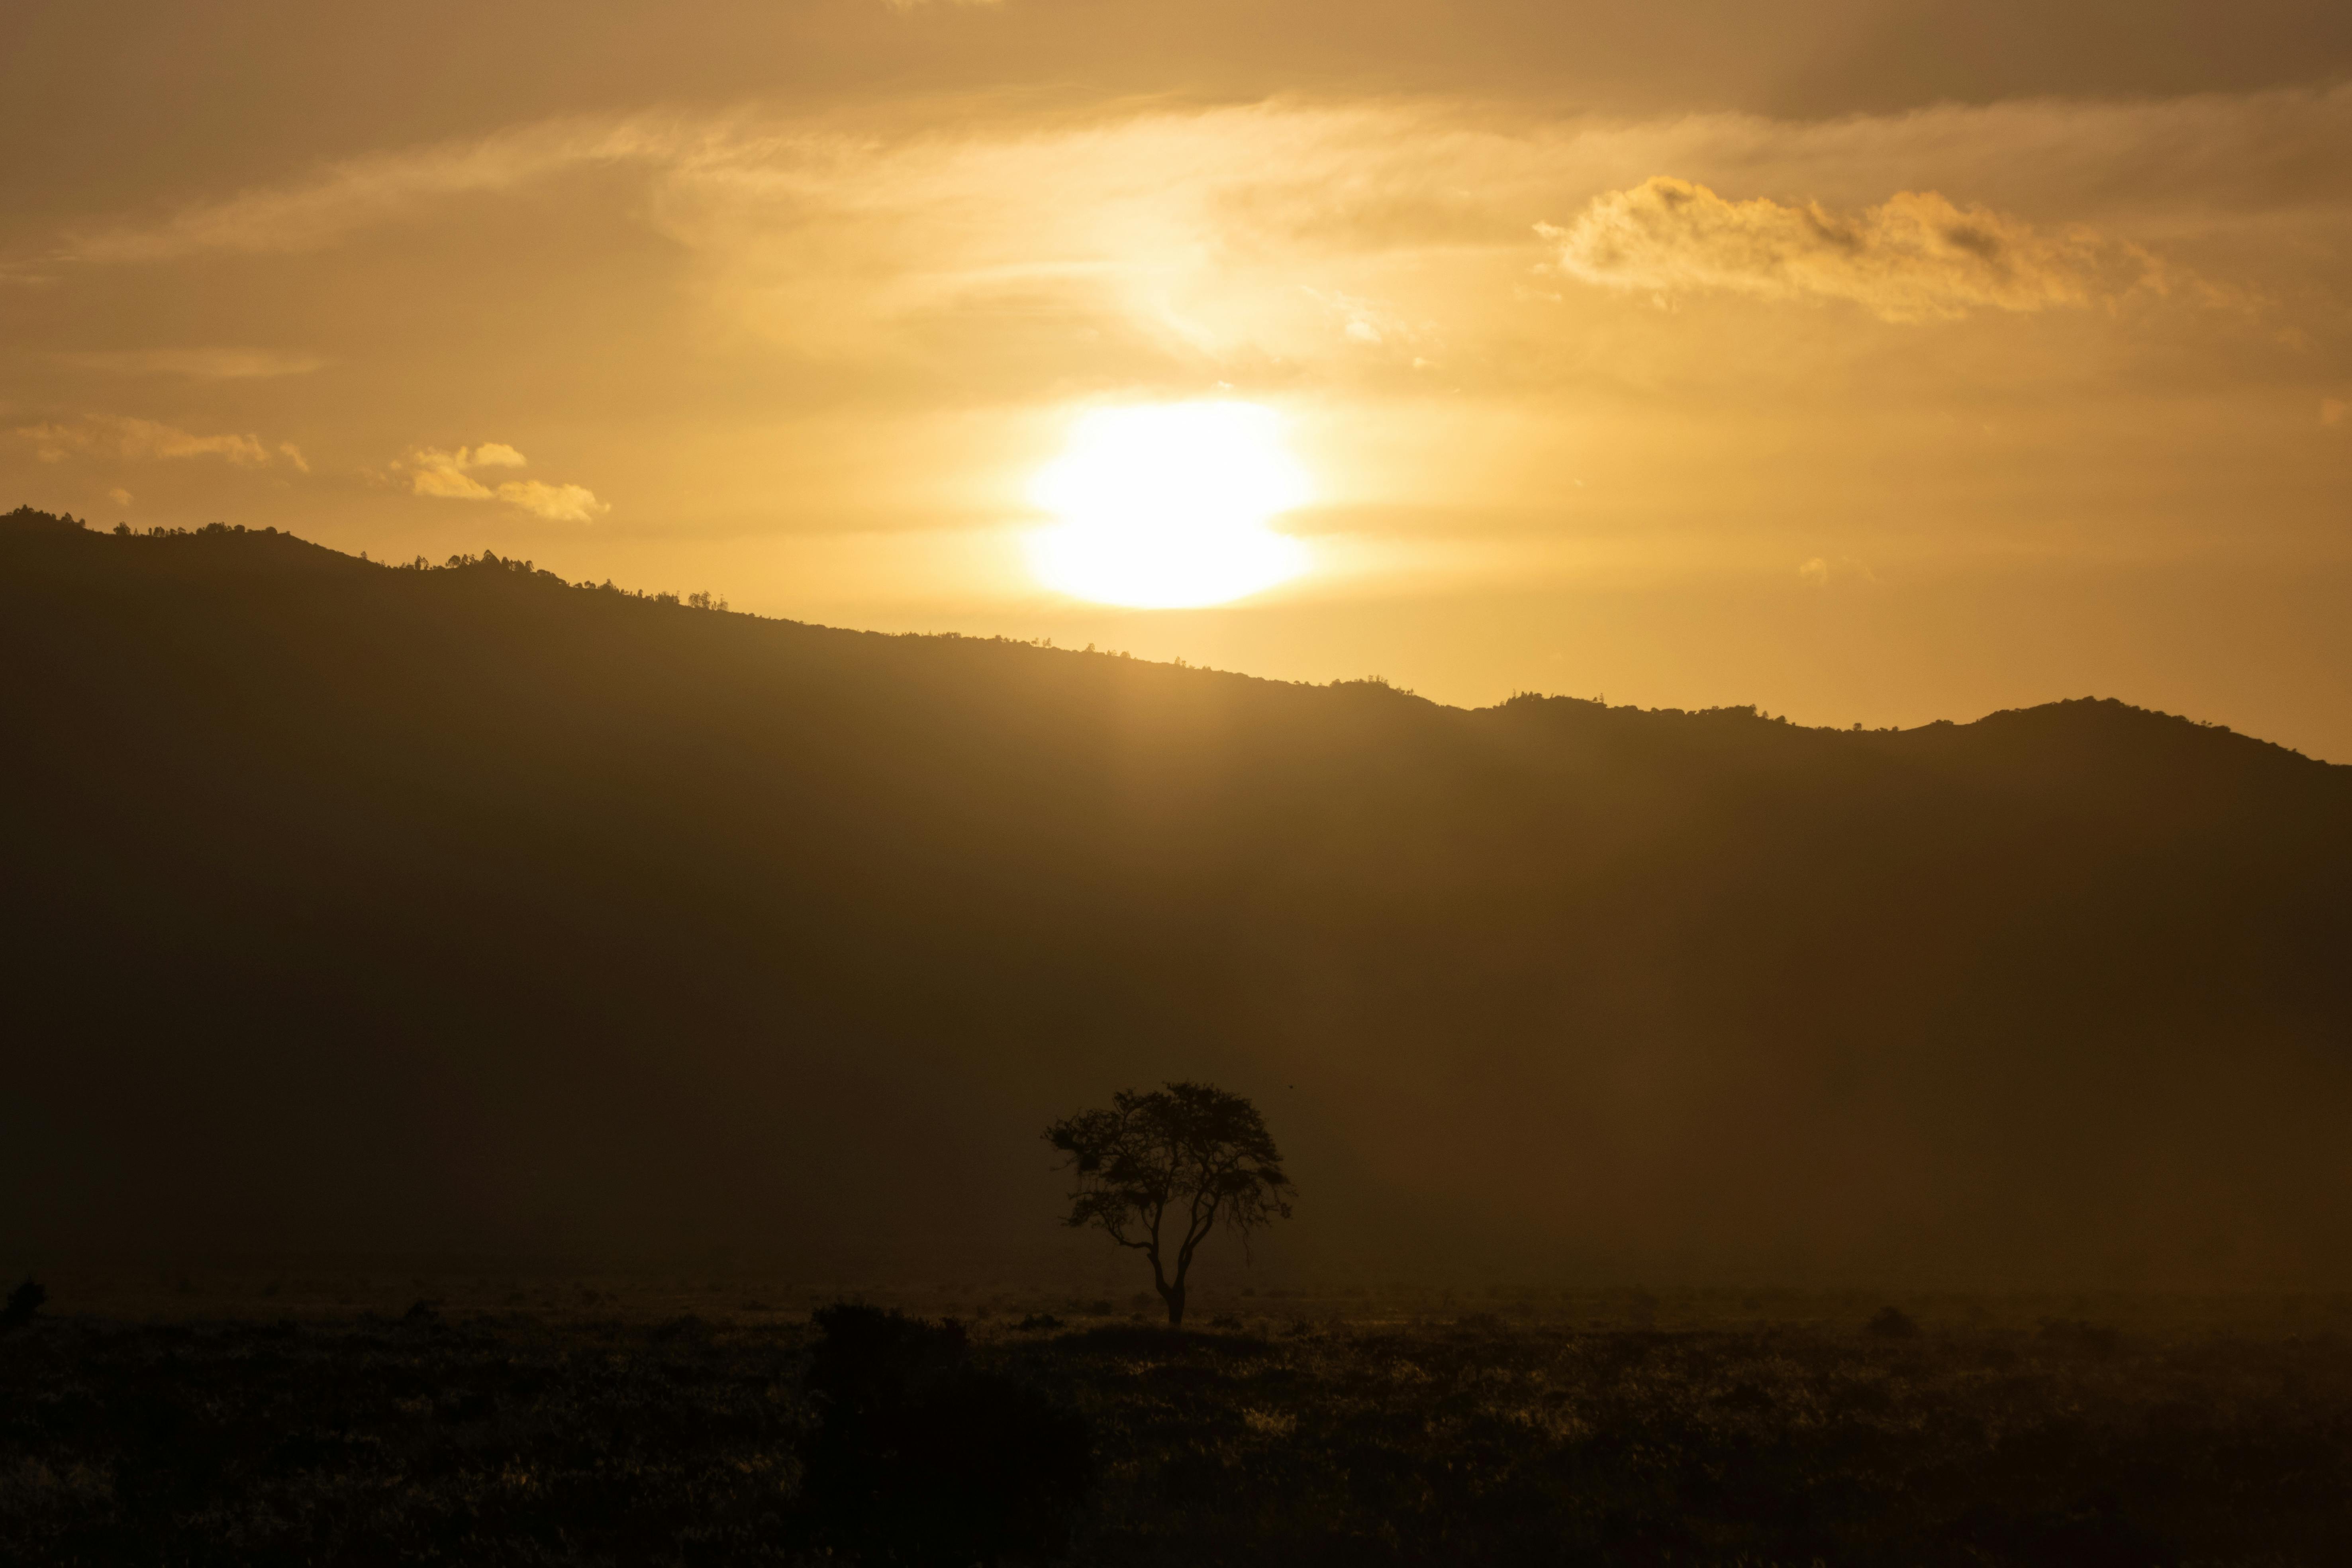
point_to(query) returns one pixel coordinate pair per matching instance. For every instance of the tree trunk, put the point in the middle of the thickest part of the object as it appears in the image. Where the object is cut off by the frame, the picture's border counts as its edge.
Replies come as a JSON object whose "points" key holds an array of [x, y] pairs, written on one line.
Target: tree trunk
{"points": [[1174, 1296]]}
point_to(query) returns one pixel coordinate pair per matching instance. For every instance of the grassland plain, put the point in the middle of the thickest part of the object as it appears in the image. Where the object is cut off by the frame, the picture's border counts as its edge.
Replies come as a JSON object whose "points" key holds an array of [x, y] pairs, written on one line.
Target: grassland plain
{"points": [[201, 1420]]}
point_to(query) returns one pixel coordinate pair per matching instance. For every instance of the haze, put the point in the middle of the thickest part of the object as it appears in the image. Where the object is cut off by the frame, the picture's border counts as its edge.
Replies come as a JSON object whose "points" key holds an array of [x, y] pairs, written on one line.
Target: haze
{"points": [[1871, 363]]}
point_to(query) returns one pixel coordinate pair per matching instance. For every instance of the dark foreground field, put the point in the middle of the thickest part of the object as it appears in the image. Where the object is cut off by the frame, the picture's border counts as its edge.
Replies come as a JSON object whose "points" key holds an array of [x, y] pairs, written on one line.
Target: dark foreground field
{"points": [[565, 1429]]}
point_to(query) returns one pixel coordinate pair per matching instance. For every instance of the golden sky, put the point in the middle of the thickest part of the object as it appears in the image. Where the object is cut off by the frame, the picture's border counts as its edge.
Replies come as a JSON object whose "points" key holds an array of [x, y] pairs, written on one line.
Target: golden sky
{"points": [[1869, 361]]}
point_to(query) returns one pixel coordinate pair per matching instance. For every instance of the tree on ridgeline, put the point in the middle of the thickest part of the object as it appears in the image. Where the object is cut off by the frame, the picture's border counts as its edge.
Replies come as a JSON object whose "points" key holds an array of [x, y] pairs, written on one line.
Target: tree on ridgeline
{"points": [[27, 520], [1159, 1171]]}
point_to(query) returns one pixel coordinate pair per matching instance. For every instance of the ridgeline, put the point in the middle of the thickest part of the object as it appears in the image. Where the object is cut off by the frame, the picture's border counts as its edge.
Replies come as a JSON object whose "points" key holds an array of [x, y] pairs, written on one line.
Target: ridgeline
{"points": [[360, 908]]}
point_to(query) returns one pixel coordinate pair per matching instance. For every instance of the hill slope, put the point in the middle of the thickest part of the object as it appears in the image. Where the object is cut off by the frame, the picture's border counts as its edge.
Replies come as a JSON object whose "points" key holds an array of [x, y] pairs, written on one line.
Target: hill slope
{"points": [[360, 908]]}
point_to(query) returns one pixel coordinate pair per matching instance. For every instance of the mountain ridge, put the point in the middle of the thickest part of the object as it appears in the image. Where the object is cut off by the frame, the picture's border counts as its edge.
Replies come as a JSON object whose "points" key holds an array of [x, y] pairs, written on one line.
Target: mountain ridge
{"points": [[293, 550], [513, 914]]}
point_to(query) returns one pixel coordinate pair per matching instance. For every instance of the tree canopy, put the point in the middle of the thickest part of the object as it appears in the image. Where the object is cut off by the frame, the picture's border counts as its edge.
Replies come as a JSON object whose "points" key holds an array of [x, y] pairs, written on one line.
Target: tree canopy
{"points": [[1157, 1171]]}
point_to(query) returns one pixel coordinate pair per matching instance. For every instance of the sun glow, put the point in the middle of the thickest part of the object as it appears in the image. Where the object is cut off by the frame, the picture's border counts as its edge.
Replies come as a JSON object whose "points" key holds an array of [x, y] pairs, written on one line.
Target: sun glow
{"points": [[1166, 507]]}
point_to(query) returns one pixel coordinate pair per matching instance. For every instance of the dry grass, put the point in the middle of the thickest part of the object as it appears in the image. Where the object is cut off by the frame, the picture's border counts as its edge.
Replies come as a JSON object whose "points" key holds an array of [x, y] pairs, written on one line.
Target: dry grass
{"points": [[1337, 1429]]}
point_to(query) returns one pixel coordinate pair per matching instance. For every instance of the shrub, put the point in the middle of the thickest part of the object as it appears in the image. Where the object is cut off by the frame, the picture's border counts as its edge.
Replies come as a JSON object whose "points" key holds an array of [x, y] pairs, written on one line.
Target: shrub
{"points": [[1894, 1324], [918, 1459], [23, 1302], [2083, 1339]]}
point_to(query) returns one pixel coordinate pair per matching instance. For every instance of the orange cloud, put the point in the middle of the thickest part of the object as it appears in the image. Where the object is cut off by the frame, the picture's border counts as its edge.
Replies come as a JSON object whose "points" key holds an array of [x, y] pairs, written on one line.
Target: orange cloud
{"points": [[1916, 257], [200, 364], [145, 438], [446, 476], [449, 484], [556, 503]]}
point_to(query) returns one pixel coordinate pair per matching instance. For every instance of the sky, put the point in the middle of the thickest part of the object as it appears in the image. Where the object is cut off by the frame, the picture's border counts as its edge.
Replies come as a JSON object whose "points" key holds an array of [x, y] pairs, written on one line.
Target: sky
{"points": [[1868, 362]]}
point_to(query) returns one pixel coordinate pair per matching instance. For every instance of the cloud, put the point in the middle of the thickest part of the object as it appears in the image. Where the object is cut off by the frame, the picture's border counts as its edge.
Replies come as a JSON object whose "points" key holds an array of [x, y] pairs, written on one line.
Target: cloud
{"points": [[449, 484], [1916, 257], [1182, 234], [488, 455], [448, 476], [145, 438], [1362, 321], [202, 364], [1824, 570], [445, 474], [119, 496], [558, 503], [908, 278], [359, 192]]}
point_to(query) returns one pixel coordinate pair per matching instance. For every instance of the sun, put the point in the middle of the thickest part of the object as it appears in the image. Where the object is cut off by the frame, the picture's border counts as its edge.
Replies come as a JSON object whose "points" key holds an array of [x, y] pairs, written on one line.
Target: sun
{"points": [[1166, 505]]}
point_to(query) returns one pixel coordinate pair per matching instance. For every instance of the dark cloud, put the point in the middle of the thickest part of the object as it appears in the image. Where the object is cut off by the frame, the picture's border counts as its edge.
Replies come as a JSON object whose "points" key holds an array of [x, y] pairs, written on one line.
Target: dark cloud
{"points": [[101, 101]]}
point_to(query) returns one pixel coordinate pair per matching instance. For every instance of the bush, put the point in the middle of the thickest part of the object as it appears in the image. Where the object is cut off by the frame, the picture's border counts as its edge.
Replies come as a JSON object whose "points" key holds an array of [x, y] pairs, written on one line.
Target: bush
{"points": [[23, 1302], [918, 1459], [1894, 1324], [2083, 1339]]}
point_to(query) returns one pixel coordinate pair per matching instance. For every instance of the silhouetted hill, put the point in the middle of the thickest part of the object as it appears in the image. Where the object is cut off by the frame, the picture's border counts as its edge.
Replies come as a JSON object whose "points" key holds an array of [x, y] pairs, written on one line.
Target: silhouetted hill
{"points": [[360, 908]]}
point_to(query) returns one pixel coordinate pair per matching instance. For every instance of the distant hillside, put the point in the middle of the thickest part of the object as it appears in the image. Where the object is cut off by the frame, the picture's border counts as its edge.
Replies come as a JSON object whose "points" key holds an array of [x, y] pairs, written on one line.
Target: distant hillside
{"points": [[357, 907]]}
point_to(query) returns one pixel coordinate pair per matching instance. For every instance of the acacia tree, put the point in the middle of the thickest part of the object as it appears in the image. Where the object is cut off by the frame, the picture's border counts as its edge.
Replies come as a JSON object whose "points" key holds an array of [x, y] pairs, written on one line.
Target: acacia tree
{"points": [[1159, 1171]]}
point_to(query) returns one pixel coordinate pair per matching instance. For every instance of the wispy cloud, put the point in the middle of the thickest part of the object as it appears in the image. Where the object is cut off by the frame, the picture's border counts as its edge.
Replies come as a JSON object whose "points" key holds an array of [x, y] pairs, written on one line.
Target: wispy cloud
{"points": [[200, 365], [1823, 571], [556, 503], [112, 435], [303, 215], [1162, 221], [1915, 257], [448, 475]]}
